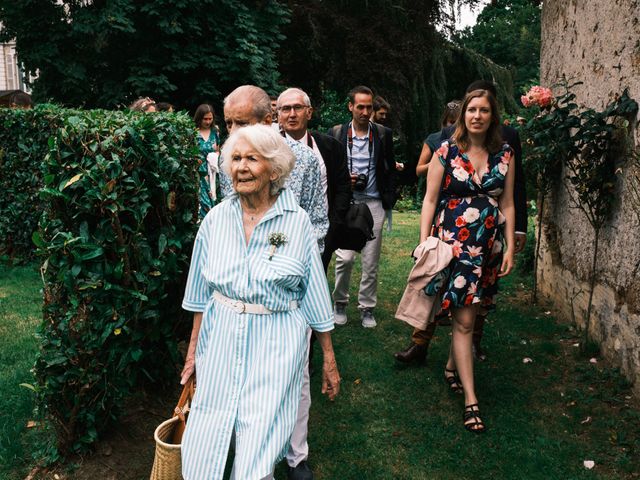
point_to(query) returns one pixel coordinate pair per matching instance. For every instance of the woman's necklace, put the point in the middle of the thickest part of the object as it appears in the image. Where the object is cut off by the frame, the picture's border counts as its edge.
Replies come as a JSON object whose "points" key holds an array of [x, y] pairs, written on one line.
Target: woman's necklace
{"points": [[256, 215]]}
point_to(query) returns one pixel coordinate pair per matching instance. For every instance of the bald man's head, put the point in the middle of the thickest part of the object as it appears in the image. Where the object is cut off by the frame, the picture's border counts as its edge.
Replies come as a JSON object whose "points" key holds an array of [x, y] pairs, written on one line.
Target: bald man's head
{"points": [[246, 105]]}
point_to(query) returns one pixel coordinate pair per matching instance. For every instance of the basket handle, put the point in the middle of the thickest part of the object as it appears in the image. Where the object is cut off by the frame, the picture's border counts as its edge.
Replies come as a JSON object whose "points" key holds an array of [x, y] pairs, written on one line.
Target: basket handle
{"points": [[185, 400]]}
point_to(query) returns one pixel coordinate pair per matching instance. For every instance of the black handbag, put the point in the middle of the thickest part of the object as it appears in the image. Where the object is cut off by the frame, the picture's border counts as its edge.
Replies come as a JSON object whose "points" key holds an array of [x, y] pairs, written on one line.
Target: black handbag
{"points": [[357, 228]]}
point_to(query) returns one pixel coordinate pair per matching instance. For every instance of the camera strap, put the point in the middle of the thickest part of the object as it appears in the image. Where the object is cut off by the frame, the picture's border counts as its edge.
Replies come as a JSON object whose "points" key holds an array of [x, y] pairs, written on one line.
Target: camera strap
{"points": [[350, 145]]}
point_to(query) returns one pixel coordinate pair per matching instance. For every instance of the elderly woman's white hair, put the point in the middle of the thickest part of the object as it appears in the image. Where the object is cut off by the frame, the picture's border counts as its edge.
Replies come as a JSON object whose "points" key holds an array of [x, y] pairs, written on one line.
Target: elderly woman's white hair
{"points": [[269, 144]]}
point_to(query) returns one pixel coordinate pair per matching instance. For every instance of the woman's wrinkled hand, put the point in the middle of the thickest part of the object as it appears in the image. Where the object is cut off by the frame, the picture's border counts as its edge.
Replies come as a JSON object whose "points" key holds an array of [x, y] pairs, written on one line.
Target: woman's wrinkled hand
{"points": [[330, 378], [507, 263], [188, 370]]}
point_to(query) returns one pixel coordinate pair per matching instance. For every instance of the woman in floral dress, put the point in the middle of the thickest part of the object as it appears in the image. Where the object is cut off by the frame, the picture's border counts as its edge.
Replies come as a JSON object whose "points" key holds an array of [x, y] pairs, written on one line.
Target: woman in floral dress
{"points": [[475, 215], [208, 141]]}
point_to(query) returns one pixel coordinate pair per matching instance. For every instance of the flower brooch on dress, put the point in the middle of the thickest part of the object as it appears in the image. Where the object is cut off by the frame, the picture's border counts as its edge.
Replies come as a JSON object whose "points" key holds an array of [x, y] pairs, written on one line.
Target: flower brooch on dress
{"points": [[276, 239]]}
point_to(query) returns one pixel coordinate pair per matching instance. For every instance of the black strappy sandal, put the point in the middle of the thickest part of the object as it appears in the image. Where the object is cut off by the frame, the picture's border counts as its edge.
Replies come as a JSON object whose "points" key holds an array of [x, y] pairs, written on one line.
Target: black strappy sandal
{"points": [[453, 380], [472, 420]]}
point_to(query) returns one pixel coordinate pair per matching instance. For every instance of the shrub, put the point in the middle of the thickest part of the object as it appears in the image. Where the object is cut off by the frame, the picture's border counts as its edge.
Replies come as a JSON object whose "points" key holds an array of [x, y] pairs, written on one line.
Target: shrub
{"points": [[23, 145], [120, 191]]}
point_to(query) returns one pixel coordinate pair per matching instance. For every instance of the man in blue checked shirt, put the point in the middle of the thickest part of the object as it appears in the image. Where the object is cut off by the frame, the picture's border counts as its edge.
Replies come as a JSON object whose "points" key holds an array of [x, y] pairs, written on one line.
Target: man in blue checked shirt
{"points": [[248, 105]]}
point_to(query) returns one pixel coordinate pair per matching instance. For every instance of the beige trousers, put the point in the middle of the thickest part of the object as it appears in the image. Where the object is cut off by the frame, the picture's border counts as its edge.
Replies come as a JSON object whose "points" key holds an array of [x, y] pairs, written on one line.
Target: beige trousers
{"points": [[370, 256]]}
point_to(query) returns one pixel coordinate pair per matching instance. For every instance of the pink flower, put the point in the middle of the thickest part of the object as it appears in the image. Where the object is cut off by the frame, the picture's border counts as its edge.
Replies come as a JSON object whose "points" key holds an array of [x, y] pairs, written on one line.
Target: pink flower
{"points": [[537, 95], [456, 248], [446, 236]]}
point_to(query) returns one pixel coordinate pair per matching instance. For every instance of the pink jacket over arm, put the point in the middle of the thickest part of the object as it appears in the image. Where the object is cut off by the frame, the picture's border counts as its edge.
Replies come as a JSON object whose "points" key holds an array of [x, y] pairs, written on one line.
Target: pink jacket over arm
{"points": [[417, 308]]}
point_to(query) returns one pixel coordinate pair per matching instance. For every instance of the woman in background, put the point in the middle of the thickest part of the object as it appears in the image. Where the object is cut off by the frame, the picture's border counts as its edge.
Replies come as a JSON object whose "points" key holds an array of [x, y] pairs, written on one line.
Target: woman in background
{"points": [[432, 142], [208, 142], [144, 104]]}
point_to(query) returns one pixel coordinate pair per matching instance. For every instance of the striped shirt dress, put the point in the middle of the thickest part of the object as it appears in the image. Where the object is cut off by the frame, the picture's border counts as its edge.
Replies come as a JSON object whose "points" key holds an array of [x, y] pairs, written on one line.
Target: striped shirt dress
{"points": [[249, 366]]}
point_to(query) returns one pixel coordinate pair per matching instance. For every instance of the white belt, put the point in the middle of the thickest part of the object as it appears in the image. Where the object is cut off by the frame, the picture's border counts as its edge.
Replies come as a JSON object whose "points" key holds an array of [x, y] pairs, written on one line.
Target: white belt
{"points": [[239, 306]]}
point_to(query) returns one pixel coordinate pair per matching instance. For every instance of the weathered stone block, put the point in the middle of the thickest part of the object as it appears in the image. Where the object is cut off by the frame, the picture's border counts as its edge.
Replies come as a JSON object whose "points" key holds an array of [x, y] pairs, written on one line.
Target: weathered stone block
{"points": [[597, 43]]}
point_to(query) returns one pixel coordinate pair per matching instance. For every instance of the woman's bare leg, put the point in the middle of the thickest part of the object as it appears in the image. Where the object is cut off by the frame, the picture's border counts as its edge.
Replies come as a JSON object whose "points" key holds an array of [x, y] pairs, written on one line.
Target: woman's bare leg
{"points": [[461, 355]]}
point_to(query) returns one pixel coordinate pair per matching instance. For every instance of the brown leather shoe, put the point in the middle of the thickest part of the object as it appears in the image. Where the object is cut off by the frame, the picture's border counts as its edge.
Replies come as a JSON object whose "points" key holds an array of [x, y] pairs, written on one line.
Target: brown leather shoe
{"points": [[413, 353]]}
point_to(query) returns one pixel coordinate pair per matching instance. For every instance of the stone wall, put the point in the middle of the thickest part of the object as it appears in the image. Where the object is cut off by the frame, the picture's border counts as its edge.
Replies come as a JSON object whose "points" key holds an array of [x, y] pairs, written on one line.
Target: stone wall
{"points": [[597, 43]]}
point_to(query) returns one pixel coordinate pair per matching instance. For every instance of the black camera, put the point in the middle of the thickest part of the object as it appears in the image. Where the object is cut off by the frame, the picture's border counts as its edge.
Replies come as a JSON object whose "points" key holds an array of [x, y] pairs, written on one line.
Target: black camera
{"points": [[361, 182]]}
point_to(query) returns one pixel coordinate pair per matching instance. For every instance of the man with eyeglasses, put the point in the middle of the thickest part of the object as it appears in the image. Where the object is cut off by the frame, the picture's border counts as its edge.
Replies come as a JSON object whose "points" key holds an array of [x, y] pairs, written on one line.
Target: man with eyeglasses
{"points": [[294, 112], [248, 105], [369, 154]]}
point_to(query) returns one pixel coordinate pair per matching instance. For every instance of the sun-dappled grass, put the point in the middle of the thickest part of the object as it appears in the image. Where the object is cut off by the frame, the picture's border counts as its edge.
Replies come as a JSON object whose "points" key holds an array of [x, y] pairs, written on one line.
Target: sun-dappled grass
{"points": [[544, 418]]}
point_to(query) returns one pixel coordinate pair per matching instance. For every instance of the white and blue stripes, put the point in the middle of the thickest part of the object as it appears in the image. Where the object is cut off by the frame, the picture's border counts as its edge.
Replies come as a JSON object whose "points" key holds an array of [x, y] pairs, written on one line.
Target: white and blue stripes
{"points": [[249, 367], [305, 183]]}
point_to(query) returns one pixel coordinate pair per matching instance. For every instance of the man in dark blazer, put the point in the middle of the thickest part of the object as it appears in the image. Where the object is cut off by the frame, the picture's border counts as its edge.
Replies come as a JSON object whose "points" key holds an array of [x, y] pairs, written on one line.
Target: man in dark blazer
{"points": [[294, 113], [369, 153], [420, 339]]}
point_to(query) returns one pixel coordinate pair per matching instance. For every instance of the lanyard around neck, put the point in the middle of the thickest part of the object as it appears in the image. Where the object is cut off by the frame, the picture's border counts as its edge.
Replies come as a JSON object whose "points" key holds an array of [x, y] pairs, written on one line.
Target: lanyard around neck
{"points": [[350, 145]]}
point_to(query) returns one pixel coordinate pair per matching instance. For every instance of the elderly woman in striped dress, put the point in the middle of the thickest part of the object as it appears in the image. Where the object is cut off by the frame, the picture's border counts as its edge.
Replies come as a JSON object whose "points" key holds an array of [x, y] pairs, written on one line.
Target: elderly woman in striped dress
{"points": [[255, 283]]}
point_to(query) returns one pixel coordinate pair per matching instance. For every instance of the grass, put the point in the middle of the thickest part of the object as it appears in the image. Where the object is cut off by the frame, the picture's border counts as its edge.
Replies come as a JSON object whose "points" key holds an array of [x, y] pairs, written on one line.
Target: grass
{"points": [[393, 422], [396, 422], [20, 313]]}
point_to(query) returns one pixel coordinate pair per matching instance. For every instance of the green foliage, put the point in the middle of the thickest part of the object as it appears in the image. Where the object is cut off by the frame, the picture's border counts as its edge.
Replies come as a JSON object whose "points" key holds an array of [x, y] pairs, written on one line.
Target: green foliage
{"points": [[23, 144], [592, 168], [392, 47], [526, 258], [550, 143], [102, 54], [508, 32], [120, 195], [331, 111], [588, 144]]}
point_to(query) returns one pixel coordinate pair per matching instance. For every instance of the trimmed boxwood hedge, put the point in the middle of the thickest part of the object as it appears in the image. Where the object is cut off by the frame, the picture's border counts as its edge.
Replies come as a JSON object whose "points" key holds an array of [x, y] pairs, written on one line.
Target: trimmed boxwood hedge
{"points": [[23, 144], [119, 191]]}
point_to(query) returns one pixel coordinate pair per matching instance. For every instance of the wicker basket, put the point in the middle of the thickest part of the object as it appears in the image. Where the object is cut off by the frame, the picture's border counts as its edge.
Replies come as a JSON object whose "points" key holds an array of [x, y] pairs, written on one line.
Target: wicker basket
{"points": [[167, 464]]}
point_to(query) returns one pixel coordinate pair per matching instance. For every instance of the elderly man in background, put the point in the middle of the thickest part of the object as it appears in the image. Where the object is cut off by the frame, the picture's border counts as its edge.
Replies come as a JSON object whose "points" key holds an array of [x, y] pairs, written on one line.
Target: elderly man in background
{"points": [[249, 105], [294, 113]]}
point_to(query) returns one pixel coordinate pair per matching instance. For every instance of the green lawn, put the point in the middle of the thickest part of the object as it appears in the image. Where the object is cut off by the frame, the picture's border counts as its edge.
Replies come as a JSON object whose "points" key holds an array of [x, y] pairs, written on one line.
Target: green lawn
{"points": [[392, 422], [20, 312]]}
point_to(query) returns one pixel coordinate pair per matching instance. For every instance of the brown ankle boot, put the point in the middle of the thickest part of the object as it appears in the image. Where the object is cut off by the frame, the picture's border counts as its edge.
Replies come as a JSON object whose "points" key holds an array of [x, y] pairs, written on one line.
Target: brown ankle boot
{"points": [[413, 353]]}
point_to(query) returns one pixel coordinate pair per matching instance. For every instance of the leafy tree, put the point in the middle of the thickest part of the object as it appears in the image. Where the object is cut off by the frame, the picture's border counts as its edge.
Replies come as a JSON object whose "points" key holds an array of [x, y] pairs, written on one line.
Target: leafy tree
{"points": [[104, 53], [392, 47], [508, 32]]}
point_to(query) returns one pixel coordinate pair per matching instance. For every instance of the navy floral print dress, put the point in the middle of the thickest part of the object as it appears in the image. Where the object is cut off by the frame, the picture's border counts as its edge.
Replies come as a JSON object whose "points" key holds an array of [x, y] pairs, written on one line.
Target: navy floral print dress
{"points": [[469, 219]]}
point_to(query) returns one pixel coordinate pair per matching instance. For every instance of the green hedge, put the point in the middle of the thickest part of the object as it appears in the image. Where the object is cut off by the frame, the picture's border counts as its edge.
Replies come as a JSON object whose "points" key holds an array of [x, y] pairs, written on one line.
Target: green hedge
{"points": [[23, 145], [120, 191]]}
